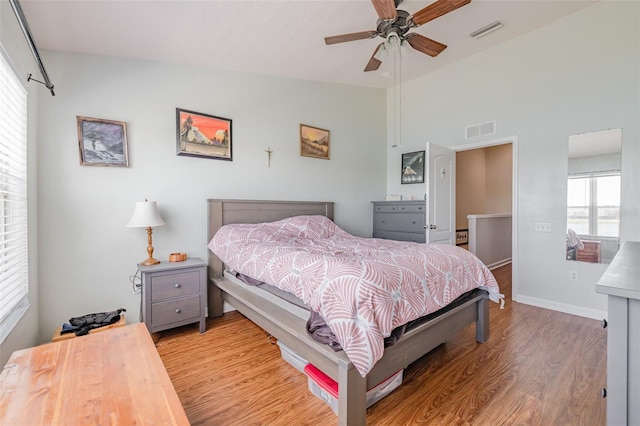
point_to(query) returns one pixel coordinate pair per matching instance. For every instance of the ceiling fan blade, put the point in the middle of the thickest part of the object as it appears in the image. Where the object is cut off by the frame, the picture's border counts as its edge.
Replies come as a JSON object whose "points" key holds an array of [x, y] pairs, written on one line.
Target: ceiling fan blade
{"points": [[350, 37], [425, 45], [386, 9], [436, 10], [374, 63]]}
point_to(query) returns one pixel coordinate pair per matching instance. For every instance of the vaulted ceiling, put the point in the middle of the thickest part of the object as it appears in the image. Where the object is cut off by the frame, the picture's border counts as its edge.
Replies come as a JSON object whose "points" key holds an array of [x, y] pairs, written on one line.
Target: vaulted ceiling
{"points": [[282, 38]]}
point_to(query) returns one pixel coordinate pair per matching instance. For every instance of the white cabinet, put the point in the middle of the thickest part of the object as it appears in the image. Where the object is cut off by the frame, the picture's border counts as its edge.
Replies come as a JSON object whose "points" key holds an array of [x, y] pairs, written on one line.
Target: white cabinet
{"points": [[621, 282]]}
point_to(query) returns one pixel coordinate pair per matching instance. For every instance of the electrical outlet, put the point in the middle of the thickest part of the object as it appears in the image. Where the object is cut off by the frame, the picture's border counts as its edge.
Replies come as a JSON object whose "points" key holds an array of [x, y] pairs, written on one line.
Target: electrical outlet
{"points": [[542, 227], [573, 275]]}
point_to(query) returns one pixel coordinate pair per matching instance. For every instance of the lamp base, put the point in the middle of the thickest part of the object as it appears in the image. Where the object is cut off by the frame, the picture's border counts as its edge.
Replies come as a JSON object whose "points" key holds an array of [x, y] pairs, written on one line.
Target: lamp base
{"points": [[150, 261]]}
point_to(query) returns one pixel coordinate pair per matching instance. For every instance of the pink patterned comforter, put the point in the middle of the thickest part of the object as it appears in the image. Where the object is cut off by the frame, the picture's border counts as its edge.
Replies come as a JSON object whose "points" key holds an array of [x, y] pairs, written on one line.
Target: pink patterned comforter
{"points": [[362, 287]]}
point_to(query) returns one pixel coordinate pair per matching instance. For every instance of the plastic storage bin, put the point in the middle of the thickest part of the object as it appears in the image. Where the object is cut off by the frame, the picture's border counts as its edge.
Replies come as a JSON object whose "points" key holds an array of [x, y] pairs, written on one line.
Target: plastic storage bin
{"points": [[325, 388], [291, 357]]}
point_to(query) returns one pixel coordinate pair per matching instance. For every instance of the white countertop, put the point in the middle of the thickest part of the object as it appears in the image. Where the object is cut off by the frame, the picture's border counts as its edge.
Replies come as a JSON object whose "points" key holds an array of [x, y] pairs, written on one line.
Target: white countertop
{"points": [[622, 277]]}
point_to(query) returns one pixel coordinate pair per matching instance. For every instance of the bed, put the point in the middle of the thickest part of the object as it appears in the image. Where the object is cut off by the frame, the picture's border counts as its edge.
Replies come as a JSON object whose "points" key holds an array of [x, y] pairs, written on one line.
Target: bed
{"points": [[288, 324]]}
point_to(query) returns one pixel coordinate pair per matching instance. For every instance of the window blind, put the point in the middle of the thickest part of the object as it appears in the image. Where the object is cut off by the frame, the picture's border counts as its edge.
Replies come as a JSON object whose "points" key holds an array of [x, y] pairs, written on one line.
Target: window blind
{"points": [[14, 284]]}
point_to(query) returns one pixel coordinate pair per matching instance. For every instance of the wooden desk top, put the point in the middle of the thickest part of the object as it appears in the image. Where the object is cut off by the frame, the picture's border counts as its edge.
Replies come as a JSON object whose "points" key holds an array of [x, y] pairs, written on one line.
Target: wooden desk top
{"points": [[111, 378]]}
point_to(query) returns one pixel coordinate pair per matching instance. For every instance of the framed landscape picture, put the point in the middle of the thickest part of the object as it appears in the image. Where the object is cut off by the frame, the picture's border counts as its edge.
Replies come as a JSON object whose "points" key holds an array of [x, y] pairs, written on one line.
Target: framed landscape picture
{"points": [[203, 135], [314, 142], [102, 142], [413, 167]]}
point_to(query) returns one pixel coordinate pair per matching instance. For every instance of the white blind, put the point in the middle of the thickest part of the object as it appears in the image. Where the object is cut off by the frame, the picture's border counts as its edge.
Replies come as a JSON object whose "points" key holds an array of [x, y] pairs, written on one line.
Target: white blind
{"points": [[14, 284]]}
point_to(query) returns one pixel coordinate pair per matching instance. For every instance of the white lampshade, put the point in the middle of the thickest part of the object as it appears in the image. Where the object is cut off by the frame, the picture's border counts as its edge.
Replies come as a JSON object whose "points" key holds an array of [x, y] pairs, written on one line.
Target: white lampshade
{"points": [[145, 215]]}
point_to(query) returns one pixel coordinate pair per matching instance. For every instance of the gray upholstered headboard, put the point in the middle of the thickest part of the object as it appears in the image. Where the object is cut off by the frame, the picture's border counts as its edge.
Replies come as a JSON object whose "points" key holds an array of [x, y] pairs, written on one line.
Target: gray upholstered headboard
{"points": [[224, 212]]}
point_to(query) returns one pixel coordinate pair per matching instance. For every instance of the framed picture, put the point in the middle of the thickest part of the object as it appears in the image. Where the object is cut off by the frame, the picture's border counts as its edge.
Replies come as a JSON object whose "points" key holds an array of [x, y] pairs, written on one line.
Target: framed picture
{"points": [[203, 135], [462, 237], [314, 142], [413, 167], [102, 142]]}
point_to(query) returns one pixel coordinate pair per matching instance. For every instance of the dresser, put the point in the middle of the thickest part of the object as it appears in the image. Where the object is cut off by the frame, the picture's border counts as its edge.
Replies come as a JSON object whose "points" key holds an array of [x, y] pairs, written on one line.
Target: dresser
{"points": [[174, 294], [621, 284], [400, 220]]}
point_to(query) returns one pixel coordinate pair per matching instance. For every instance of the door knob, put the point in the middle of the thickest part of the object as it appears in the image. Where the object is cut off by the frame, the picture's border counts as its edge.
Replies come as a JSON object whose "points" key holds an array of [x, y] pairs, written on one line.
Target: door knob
{"points": [[432, 227]]}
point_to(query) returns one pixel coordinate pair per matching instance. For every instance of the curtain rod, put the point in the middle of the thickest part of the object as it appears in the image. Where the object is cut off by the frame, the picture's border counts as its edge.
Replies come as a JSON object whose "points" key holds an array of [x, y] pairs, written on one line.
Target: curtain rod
{"points": [[17, 9]]}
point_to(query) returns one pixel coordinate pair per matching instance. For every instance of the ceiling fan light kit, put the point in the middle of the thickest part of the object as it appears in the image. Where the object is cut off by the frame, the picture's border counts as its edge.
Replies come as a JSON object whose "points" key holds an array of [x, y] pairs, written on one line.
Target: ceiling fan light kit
{"points": [[394, 24]]}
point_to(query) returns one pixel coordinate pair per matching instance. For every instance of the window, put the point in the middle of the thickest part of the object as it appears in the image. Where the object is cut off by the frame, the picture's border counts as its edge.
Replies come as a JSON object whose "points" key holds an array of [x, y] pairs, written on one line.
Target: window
{"points": [[594, 205], [14, 280]]}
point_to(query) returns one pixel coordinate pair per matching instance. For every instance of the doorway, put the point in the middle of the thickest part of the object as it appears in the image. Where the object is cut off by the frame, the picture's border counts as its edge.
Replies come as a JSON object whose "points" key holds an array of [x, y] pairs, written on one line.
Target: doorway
{"points": [[486, 187]]}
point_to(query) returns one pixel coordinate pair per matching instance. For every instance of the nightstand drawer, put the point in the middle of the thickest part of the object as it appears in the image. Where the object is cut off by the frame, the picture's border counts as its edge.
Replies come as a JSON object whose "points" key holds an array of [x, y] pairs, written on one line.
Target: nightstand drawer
{"points": [[174, 285], [176, 310]]}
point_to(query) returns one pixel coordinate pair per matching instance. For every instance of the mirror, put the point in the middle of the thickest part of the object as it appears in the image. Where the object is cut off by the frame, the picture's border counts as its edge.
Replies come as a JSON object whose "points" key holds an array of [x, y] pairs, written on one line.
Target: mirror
{"points": [[593, 196]]}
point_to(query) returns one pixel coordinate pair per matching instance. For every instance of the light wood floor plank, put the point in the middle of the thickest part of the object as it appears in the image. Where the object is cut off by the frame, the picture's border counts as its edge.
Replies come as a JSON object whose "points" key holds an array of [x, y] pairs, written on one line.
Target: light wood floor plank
{"points": [[539, 367]]}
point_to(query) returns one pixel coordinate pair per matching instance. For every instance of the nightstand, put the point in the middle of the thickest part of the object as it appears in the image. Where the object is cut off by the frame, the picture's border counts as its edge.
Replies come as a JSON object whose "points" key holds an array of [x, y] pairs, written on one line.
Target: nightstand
{"points": [[174, 294]]}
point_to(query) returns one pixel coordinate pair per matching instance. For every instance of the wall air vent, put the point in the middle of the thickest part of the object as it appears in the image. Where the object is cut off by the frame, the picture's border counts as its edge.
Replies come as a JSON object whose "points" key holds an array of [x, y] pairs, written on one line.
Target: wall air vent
{"points": [[482, 129], [486, 30]]}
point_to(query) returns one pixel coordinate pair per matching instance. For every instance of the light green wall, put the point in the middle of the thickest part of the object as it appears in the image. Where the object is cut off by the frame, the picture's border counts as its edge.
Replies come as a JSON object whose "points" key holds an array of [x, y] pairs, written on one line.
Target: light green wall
{"points": [[87, 254], [579, 74]]}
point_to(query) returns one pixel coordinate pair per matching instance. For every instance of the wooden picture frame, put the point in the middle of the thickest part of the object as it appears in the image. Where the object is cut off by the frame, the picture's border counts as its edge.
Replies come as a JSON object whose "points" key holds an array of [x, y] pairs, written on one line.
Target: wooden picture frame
{"points": [[102, 142], [203, 135], [314, 142], [412, 167], [462, 237]]}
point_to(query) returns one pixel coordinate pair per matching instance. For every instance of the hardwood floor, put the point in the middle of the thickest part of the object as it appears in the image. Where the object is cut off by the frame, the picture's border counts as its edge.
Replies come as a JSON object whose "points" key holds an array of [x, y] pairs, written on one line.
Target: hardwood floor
{"points": [[539, 367]]}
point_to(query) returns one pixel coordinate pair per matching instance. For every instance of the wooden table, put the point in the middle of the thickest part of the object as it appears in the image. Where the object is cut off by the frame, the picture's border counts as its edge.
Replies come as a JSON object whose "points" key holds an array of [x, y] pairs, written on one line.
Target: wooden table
{"points": [[110, 378]]}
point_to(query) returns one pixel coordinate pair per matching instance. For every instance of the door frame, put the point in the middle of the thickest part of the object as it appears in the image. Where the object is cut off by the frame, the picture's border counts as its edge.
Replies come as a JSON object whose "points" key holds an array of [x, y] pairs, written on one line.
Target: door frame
{"points": [[513, 140]]}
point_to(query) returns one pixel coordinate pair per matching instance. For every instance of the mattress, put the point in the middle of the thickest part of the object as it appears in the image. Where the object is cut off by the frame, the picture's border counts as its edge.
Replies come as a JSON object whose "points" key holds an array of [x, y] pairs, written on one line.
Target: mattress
{"points": [[362, 287]]}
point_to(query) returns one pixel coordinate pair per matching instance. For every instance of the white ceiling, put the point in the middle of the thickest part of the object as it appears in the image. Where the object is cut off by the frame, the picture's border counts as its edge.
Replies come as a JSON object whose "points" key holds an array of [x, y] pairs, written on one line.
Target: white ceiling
{"points": [[282, 38]]}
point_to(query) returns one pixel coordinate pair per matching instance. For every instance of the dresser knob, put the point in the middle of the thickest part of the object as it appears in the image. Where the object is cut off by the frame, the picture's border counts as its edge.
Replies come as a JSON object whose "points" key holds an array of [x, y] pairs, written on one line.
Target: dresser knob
{"points": [[177, 311], [177, 285], [603, 392]]}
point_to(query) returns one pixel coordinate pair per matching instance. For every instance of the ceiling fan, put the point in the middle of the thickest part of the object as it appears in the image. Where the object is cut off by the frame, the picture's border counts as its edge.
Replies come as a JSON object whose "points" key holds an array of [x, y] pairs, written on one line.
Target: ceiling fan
{"points": [[393, 25]]}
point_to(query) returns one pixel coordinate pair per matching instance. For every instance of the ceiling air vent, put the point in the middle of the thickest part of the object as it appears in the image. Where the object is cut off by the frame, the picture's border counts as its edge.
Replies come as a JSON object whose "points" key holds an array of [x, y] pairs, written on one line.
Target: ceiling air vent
{"points": [[482, 129], [486, 30]]}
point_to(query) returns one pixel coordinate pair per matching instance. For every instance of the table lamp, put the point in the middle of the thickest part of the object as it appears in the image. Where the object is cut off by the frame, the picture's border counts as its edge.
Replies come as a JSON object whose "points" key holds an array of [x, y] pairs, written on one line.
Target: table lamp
{"points": [[146, 215]]}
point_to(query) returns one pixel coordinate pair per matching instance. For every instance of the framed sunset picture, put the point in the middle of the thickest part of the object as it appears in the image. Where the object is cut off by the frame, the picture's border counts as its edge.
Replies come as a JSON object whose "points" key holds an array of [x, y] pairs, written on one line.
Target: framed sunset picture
{"points": [[203, 135], [314, 142]]}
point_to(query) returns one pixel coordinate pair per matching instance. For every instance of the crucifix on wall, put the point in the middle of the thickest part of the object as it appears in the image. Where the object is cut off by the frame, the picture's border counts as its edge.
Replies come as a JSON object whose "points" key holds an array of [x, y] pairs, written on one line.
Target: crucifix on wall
{"points": [[269, 152]]}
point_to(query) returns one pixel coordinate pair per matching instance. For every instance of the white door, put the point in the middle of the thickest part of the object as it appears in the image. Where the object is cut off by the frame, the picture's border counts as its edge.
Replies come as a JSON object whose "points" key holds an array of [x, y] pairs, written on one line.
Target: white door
{"points": [[440, 175]]}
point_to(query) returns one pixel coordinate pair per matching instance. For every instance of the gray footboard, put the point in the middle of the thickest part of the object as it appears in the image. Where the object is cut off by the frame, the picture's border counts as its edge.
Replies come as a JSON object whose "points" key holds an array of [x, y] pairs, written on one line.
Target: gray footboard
{"points": [[291, 330]]}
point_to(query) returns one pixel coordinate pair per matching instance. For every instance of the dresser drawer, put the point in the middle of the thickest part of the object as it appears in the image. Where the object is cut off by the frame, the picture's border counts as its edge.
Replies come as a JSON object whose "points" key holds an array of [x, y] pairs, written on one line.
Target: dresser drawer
{"points": [[176, 310], [401, 236], [391, 208], [412, 208], [408, 222], [167, 286]]}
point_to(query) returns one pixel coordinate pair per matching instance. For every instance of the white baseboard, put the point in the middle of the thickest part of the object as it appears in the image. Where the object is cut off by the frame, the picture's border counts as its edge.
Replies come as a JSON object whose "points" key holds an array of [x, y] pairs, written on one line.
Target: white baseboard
{"points": [[562, 307], [499, 263]]}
